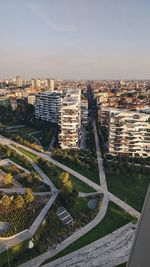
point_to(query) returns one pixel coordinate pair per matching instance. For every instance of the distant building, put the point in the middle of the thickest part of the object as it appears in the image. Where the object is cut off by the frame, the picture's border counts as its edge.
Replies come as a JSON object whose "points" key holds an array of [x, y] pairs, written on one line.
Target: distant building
{"points": [[70, 120], [51, 85], [35, 83], [5, 101], [19, 82], [47, 106], [31, 99]]}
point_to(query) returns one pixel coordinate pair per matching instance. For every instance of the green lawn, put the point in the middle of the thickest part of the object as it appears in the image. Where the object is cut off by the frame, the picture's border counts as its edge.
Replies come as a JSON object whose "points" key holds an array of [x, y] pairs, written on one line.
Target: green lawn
{"points": [[92, 174], [28, 153], [114, 219], [27, 130], [45, 137], [81, 186], [131, 190]]}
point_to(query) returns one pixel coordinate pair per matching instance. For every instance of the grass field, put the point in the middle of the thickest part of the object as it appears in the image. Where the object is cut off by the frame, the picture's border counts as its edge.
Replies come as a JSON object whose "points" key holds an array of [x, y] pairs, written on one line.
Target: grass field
{"points": [[128, 189], [92, 174]]}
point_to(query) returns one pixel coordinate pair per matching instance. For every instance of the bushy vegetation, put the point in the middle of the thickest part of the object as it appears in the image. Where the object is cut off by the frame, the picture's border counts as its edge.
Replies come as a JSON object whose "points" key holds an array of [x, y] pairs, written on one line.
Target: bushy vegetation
{"points": [[6, 152]]}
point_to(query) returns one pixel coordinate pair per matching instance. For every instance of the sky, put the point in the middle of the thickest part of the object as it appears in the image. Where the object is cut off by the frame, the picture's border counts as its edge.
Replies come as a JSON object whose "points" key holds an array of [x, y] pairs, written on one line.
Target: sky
{"points": [[75, 39]]}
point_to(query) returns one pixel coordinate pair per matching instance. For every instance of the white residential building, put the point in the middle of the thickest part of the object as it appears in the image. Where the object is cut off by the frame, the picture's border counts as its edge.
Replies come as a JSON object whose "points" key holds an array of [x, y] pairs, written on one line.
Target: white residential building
{"points": [[129, 133], [70, 120], [84, 111], [47, 106]]}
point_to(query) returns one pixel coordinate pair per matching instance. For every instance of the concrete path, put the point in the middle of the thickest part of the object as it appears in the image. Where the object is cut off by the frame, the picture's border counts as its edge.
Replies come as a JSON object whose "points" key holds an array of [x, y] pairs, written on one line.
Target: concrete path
{"points": [[108, 251], [99, 159], [51, 143]]}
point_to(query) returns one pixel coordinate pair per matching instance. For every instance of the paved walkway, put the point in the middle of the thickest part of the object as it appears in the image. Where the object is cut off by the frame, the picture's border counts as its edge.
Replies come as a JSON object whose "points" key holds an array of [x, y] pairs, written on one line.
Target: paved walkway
{"points": [[108, 251], [99, 159]]}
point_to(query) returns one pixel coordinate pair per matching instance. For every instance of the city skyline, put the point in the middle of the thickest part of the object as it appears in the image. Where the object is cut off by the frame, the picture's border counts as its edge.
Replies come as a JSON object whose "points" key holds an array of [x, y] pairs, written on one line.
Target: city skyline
{"points": [[75, 39]]}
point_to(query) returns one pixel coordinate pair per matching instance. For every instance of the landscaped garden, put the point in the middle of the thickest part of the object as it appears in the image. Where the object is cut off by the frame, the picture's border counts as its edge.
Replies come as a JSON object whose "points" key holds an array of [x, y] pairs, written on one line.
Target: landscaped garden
{"points": [[20, 211]]}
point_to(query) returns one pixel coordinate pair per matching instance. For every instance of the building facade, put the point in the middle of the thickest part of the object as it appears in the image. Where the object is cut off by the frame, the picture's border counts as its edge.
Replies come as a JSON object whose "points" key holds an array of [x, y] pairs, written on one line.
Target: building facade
{"points": [[70, 119], [129, 133], [47, 106]]}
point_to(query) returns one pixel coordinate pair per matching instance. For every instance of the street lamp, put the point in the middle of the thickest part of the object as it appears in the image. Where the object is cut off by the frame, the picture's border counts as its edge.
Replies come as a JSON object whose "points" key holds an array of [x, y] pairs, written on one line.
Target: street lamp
{"points": [[8, 259]]}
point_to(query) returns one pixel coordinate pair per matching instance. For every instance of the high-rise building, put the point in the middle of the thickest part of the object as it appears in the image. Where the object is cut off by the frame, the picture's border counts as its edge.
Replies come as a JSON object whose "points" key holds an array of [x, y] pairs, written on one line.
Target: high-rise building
{"points": [[19, 81], [35, 83], [70, 120], [47, 106], [51, 85], [128, 131]]}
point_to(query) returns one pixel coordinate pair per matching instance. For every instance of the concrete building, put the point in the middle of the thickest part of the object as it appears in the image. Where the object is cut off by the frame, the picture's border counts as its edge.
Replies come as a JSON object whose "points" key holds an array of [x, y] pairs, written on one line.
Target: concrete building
{"points": [[70, 120], [84, 111], [19, 81], [129, 133], [31, 99], [47, 106], [35, 83]]}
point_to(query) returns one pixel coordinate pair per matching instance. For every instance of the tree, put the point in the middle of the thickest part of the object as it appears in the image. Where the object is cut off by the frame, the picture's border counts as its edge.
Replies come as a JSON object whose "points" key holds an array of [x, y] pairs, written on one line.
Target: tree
{"points": [[65, 182], [6, 201], [29, 197], [8, 179], [19, 202]]}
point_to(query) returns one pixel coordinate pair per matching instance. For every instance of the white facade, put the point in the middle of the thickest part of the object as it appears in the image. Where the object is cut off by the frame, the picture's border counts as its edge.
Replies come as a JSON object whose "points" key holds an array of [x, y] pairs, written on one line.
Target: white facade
{"points": [[129, 133], [70, 120], [84, 111], [47, 106], [31, 99], [19, 81]]}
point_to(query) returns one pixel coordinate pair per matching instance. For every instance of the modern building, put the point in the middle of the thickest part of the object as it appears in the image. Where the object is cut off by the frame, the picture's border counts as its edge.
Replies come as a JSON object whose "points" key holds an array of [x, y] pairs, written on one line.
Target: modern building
{"points": [[70, 119], [19, 81], [47, 106], [31, 99], [84, 111], [129, 133]]}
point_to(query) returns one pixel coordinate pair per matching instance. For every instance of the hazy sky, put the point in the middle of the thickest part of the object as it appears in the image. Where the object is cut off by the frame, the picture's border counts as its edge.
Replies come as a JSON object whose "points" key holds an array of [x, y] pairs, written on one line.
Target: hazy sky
{"points": [[89, 39]]}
